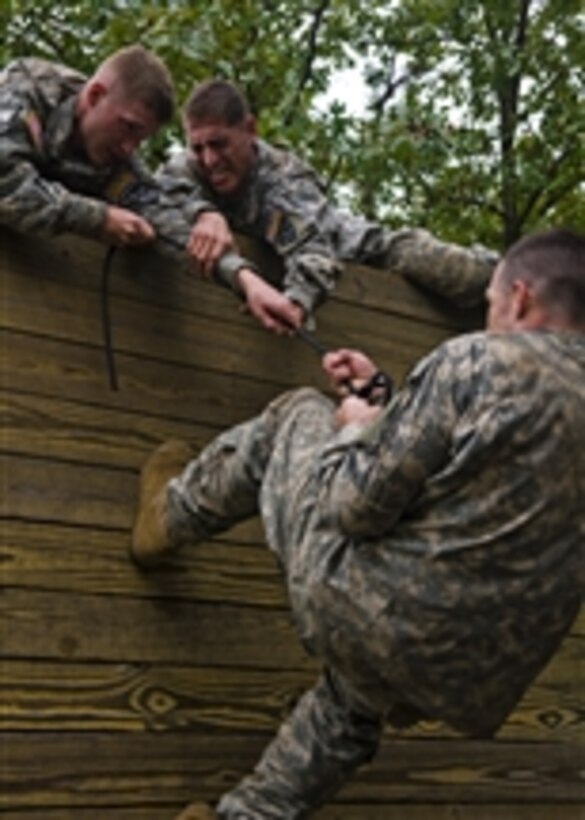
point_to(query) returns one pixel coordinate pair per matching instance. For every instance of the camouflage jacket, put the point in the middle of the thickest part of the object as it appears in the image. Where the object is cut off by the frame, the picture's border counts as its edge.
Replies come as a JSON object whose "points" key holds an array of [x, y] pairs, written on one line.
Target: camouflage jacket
{"points": [[284, 204], [449, 533], [48, 187]]}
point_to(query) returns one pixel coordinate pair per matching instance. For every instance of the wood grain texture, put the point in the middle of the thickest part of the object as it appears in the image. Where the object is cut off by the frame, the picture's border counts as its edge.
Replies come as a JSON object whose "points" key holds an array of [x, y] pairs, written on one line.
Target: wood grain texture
{"points": [[130, 697], [87, 769]]}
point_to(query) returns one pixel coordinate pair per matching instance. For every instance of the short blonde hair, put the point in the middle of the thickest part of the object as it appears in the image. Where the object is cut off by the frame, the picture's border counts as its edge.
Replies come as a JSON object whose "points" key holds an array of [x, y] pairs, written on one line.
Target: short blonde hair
{"points": [[144, 77]]}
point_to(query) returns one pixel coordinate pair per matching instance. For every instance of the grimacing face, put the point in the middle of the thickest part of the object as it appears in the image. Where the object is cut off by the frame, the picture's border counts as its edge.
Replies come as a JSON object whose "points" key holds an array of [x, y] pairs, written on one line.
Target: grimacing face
{"points": [[224, 154], [112, 126]]}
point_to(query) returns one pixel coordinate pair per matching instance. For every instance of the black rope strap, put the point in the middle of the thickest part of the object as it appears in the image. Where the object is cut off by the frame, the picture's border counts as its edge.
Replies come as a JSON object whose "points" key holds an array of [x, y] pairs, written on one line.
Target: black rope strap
{"points": [[106, 318]]}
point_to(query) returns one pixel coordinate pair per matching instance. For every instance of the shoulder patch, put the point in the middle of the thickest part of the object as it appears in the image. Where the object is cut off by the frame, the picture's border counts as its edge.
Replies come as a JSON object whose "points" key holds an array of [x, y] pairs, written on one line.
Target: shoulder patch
{"points": [[283, 230]]}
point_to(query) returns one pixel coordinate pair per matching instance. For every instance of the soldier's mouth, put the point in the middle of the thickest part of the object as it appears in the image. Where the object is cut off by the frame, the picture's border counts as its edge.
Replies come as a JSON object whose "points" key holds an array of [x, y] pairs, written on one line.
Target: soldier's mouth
{"points": [[221, 179]]}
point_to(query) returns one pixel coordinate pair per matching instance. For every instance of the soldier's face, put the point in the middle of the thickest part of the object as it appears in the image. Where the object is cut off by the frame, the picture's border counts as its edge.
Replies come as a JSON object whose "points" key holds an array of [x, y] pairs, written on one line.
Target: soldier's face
{"points": [[112, 127], [224, 154]]}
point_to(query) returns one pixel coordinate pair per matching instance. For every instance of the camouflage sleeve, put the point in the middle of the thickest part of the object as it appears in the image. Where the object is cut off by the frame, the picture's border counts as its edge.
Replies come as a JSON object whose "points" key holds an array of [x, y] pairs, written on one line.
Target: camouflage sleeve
{"points": [[328, 735], [373, 476], [172, 207], [178, 183], [28, 201], [295, 213]]}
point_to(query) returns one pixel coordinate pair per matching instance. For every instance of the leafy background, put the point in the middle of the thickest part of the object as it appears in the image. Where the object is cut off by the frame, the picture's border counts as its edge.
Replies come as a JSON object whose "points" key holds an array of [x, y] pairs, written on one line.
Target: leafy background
{"points": [[473, 122]]}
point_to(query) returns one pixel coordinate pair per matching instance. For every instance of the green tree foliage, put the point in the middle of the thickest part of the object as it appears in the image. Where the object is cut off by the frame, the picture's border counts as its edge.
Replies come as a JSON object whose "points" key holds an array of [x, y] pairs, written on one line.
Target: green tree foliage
{"points": [[475, 120], [481, 104]]}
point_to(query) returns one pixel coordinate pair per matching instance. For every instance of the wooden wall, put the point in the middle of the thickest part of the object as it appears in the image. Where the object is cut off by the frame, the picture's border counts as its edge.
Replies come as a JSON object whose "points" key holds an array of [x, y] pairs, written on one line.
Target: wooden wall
{"points": [[125, 694]]}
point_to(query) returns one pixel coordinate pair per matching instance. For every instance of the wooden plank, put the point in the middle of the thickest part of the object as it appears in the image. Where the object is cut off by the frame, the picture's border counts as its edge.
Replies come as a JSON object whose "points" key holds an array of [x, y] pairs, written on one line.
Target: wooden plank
{"points": [[54, 626], [336, 812], [87, 769], [65, 695], [89, 496], [53, 369], [45, 490], [130, 697], [49, 427], [68, 559]]}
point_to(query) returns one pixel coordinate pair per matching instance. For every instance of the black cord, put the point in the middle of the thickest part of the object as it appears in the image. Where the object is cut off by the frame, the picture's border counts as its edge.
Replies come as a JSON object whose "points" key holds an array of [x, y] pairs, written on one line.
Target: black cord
{"points": [[377, 390], [106, 319]]}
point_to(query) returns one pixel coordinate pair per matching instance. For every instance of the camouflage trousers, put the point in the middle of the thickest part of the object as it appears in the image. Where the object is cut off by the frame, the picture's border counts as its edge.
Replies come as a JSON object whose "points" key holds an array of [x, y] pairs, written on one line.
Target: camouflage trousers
{"points": [[456, 273], [266, 465]]}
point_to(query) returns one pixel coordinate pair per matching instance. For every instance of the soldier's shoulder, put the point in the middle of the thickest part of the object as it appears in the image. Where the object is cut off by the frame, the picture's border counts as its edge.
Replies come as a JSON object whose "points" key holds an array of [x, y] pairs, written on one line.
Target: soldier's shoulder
{"points": [[43, 78], [467, 345], [488, 348], [279, 160]]}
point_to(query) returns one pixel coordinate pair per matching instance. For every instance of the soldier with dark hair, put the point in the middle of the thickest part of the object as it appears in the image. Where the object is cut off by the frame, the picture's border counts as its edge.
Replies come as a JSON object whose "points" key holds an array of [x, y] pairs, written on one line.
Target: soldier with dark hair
{"points": [[432, 548], [270, 194]]}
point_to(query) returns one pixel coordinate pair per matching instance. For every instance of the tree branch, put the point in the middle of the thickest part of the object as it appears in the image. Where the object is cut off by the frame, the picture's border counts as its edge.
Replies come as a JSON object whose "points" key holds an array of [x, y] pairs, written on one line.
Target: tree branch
{"points": [[390, 89], [307, 68], [554, 195]]}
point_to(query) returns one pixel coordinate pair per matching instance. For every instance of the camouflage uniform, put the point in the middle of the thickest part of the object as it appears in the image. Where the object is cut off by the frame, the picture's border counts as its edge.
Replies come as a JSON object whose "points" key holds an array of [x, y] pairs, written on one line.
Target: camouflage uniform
{"points": [[47, 187], [432, 558], [284, 204]]}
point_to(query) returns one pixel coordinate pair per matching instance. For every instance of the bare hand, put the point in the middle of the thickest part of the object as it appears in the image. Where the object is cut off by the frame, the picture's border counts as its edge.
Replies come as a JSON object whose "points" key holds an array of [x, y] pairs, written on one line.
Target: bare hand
{"points": [[124, 228], [272, 309], [354, 410], [210, 238], [344, 366]]}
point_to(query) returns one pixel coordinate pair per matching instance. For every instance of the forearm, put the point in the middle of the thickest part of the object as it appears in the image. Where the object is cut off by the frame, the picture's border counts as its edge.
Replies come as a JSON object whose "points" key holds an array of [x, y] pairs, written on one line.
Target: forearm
{"points": [[325, 739], [29, 203], [371, 474], [173, 218], [309, 277]]}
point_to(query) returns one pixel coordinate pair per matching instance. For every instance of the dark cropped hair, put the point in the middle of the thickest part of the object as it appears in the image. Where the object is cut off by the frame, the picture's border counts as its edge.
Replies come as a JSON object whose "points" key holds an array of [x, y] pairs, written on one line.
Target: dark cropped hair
{"points": [[143, 76], [553, 263], [216, 101]]}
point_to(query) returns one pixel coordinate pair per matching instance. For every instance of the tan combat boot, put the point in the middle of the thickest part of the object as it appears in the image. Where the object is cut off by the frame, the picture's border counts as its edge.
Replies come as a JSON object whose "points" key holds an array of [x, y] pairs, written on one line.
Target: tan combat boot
{"points": [[197, 811], [151, 542]]}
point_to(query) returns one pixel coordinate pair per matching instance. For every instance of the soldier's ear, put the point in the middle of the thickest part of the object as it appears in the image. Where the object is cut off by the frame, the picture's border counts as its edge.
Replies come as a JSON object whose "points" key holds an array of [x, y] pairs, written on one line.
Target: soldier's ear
{"points": [[96, 91], [250, 125], [522, 299]]}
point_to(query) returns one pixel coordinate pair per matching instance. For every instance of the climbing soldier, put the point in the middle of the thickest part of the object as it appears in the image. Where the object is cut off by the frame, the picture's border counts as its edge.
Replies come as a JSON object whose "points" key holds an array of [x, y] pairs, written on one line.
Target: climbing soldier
{"points": [[432, 548]]}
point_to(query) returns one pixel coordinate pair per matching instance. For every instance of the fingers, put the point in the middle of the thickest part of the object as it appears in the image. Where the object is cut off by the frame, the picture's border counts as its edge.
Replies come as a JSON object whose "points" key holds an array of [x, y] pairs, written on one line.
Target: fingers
{"points": [[209, 240], [346, 364], [353, 410], [124, 228], [140, 232], [337, 366], [279, 315]]}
